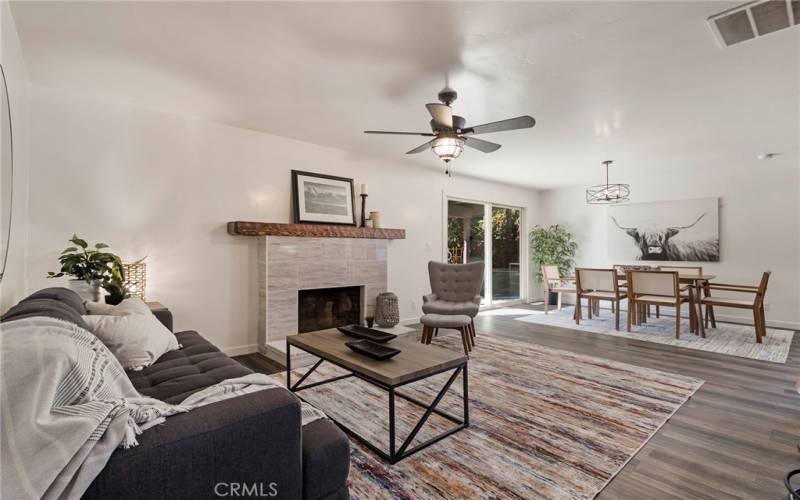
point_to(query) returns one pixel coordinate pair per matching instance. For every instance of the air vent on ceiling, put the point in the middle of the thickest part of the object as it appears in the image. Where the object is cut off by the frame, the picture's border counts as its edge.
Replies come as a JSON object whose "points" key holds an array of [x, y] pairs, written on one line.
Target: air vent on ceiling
{"points": [[754, 19]]}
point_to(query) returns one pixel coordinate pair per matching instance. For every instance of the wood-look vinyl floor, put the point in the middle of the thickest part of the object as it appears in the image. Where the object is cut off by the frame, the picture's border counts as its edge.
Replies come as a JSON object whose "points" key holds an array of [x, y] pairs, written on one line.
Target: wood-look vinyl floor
{"points": [[735, 438]]}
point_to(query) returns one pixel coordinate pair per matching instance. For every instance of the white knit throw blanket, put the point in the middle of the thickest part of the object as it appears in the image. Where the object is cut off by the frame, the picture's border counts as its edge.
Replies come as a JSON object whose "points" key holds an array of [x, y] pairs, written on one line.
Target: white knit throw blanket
{"points": [[245, 385], [67, 405]]}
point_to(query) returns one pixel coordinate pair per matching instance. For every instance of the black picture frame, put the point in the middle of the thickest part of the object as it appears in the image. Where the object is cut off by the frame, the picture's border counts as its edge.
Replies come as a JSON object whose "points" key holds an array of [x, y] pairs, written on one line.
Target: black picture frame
{"points": [[301, 216]]}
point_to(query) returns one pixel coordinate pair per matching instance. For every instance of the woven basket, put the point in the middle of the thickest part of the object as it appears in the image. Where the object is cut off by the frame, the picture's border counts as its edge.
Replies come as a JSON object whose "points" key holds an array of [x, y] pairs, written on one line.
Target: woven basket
{"points": [[387, 310]]}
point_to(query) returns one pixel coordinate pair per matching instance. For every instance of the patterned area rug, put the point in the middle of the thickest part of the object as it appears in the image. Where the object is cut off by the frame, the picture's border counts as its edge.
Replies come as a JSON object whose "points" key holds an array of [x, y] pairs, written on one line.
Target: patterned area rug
{"points": [[727, 338], [544, 423]]}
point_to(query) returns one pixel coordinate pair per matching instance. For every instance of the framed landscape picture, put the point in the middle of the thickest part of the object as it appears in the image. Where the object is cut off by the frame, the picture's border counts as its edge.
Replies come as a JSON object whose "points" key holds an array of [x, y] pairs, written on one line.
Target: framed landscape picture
{"points": [[323, 199], [673, 231]]}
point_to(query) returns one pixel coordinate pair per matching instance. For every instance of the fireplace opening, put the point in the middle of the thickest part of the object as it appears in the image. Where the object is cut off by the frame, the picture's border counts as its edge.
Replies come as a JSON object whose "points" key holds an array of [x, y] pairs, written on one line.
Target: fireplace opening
{"points": [[323, 308]]}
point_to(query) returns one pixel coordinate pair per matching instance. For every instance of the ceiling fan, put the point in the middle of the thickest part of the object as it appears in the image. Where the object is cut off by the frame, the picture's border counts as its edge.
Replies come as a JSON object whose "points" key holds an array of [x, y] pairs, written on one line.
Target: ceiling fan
{"points": [[450, 133]]}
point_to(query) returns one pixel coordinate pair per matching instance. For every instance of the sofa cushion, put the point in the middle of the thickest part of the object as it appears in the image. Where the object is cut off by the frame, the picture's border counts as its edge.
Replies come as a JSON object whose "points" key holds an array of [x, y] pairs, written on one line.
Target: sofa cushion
{"points": [[51, 308], [326, 459], [178, 374], [444, 307], [61, 294]]}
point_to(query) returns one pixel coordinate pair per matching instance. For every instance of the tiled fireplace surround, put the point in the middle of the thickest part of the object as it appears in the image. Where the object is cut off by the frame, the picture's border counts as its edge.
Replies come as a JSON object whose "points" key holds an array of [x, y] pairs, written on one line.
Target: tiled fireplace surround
{"points": [[288, 264]]}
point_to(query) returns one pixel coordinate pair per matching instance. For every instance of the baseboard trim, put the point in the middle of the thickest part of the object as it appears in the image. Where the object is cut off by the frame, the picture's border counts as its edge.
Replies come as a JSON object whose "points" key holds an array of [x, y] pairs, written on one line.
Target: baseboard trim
{"points": [[240, 350]]}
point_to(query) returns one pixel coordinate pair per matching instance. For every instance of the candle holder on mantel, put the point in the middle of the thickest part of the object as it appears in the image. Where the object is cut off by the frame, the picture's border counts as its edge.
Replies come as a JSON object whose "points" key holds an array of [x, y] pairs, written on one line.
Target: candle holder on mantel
{"points": [[363, 210]]}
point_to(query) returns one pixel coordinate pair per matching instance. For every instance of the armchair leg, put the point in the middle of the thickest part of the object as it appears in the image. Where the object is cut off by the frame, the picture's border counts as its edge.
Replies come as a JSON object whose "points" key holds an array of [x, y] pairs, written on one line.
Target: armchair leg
{"points": [[678, 320], [763, 321], [464, 340], [559, 301], [578, 310], [658, 311], [616, 315], [546, 301]]}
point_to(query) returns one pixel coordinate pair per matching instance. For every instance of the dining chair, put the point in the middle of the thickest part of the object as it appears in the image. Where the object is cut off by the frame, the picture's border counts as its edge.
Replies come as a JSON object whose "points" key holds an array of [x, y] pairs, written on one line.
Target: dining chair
{"points": [[623, 268], [554, 283], [756, 303], [683, 270], [597, 285], [659, 288]]}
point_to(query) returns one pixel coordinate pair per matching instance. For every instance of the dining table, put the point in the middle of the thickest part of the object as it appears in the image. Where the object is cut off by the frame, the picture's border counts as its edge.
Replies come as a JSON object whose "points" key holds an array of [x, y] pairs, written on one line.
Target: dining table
{"points": [[697, 282]]}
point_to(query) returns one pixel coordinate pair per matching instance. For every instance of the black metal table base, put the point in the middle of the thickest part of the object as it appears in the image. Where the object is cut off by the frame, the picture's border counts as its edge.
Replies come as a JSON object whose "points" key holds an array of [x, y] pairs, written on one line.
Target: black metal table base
{"points": [[396, 454]]}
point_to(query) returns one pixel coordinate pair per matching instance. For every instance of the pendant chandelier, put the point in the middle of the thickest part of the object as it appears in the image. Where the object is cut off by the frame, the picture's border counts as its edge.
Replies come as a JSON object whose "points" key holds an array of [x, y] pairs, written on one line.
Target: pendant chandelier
{"points": [[608, 193]]}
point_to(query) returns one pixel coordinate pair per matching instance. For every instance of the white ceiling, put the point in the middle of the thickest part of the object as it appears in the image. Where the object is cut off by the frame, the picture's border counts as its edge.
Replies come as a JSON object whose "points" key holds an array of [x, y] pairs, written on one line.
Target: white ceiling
{"points": [[643, 83]]}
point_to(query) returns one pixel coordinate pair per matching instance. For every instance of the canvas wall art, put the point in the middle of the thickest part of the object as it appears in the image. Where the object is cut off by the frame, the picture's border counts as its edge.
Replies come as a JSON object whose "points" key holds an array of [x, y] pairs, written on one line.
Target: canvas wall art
{"points": [[674, 231]]}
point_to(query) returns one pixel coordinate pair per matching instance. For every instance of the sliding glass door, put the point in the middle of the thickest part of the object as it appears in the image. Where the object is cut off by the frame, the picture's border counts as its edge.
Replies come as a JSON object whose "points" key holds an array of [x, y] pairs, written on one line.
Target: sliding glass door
{"points": [[483, 232], [505, 254]]}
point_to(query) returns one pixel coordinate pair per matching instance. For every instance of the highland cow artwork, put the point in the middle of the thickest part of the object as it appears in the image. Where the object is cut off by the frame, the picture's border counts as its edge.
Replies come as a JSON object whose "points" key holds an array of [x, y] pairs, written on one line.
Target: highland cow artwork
{"points": [[672, 231]]}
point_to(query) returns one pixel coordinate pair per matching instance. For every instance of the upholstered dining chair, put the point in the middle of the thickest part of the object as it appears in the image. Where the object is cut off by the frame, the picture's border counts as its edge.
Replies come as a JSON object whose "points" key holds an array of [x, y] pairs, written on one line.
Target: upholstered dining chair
{"points": [[660, 288], [597, 285], [554, 283], [455, 290], [754, 303], [624, 268], [689, 270]]}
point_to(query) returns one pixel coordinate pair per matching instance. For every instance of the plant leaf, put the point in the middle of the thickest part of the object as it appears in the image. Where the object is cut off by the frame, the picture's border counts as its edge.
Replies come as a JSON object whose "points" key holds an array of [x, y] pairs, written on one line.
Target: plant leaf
{"points": [[81, 243]]}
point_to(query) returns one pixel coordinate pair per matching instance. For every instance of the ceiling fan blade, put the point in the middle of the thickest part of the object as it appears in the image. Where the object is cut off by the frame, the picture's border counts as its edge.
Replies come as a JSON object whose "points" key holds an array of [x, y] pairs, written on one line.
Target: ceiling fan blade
{"points": [[419, 149], [424, 134], [442, 115], [481, 145], [510, 124]]}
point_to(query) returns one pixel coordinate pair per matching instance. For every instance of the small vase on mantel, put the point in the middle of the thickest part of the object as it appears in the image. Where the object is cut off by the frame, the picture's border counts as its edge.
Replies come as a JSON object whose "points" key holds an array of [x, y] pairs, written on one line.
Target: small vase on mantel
{"points": [[86, 290]]}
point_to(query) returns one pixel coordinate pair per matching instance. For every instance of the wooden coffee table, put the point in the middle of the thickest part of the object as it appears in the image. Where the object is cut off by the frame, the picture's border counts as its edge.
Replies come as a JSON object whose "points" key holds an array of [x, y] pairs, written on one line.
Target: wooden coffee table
{"points": [[415, 362]]}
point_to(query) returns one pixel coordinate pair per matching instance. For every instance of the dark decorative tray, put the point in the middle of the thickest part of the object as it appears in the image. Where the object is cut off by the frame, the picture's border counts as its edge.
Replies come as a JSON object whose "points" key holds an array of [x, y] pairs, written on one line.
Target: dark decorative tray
{"points": [[372, 349], [362, 332]]}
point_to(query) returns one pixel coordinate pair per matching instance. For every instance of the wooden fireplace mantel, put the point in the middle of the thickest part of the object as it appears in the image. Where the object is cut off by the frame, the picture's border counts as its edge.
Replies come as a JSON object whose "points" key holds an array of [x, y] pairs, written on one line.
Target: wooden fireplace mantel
{"points": [[244, 228]]}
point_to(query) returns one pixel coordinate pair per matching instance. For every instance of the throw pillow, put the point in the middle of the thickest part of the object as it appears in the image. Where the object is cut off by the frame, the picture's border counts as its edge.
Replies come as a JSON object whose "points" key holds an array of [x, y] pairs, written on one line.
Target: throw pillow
{"points": [[137, 340]]}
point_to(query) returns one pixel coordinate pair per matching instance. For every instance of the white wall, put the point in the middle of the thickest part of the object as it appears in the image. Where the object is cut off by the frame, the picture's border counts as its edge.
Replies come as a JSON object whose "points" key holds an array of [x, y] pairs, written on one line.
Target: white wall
{"points": [[13, 286], [164, 185], [759, 224]]}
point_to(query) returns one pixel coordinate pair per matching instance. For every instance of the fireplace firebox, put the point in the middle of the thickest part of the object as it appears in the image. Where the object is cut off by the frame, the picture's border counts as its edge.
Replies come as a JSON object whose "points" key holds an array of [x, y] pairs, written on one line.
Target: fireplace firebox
{"points": [[321, 308]]}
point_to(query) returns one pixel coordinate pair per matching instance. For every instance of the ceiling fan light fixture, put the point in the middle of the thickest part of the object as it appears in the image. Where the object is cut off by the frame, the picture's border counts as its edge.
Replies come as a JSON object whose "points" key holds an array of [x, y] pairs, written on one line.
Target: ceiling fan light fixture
{"points": [[447, 147], [608, 193]]}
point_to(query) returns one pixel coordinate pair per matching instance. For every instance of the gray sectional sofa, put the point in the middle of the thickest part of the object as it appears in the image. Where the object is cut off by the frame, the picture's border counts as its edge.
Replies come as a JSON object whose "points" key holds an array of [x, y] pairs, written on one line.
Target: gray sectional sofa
{"points": [[251, 445]]}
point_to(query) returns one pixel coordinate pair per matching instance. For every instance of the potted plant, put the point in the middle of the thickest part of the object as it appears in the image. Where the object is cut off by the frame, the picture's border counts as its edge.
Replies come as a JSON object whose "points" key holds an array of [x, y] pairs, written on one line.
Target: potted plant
{"points": [[553, 245], [114, 284], [91, 269]]}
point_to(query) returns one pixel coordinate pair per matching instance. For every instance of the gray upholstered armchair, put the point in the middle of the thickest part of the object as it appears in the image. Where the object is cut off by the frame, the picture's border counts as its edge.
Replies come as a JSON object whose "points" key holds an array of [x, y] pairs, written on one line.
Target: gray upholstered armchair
{"points": [[455, 288]]}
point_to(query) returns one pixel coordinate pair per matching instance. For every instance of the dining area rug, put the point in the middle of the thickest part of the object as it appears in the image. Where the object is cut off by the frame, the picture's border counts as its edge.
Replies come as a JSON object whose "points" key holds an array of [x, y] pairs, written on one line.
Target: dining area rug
{"points": [[544, 423], [727, 338]]}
